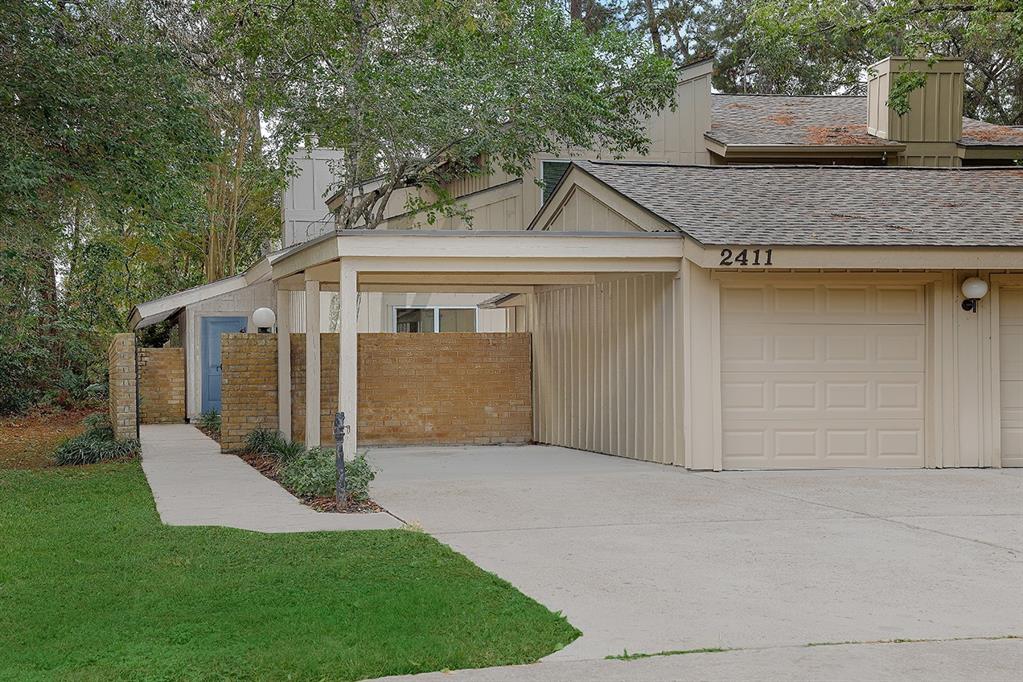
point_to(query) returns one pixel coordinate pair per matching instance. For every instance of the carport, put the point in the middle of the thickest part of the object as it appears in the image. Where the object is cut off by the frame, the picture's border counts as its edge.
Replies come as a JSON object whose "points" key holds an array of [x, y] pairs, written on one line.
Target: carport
{"points": [[639, 266]]}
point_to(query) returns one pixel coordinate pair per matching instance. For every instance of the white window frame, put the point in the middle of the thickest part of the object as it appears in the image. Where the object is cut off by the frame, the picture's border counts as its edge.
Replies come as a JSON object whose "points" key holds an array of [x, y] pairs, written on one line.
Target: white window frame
{"points": [[436, 315]]}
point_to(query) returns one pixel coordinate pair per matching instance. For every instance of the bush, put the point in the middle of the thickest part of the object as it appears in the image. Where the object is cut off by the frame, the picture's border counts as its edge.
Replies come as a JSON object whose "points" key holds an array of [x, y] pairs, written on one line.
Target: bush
{"points": [[315, 474], [95, 445], [98, 423], [359, 474], [286, 451], [90, 448], [263, 441], [312, 474], [209, 421]]}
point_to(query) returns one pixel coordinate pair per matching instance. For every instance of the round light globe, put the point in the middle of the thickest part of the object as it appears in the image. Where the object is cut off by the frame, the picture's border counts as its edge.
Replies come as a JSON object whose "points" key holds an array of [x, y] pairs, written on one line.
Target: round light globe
{"points": [[263, 318], [974, 288]]}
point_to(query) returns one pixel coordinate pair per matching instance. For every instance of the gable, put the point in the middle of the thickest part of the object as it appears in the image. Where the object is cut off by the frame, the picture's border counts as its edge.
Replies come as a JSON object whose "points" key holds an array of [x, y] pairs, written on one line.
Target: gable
{"points": [[582, 212]]}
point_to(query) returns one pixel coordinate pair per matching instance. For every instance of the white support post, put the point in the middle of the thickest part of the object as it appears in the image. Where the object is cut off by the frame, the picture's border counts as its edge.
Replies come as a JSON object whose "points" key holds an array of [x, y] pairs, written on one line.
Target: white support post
{"points": [[284, 362], [348, 363], [312, 364]]}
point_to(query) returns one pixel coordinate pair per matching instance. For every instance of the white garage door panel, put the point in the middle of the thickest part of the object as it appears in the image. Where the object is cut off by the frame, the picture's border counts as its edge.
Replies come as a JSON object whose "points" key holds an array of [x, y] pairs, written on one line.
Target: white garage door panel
{"points": [[796, 347], [823, 444], [1010, 346], [825, 304], [845, 395], [820, 376]]}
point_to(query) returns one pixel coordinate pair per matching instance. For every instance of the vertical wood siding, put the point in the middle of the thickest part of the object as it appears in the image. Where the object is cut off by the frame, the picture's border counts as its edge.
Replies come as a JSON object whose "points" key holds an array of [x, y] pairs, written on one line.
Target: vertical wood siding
{"points": [[605, 368]]}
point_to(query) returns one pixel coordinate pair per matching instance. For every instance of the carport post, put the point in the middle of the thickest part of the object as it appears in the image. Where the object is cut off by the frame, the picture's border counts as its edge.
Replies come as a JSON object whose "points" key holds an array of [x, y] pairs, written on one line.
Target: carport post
{"points": [[348, 363], [284, 362], [312, 363]]}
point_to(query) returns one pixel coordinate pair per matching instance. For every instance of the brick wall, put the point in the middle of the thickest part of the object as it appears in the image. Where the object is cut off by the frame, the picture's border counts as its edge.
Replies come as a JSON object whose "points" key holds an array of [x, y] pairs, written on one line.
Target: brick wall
{"points": [[439, 389], [121, 359], [328, 385], [161, 385], [426, 388], [248, 392]]}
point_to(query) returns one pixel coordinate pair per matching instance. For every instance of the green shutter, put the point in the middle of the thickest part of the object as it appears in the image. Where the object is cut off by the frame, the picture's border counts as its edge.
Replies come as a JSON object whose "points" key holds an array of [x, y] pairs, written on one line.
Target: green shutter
{"points": [[552, 173]]}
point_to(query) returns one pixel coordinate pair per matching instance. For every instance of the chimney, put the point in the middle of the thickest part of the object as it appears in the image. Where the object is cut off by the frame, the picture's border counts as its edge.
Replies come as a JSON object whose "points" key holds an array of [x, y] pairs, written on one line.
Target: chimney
{"points": [[936, 109]]}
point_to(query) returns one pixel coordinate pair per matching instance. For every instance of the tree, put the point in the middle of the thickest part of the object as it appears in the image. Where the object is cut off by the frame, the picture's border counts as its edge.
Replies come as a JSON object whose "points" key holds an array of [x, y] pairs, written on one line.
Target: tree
{"points": [[809, 46], [104, 144], [416, 92]]}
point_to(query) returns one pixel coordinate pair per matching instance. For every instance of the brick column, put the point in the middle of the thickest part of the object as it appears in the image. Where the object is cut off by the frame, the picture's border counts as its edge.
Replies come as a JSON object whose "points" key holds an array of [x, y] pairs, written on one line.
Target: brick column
{"points": [[123, 386], [248, 395]]}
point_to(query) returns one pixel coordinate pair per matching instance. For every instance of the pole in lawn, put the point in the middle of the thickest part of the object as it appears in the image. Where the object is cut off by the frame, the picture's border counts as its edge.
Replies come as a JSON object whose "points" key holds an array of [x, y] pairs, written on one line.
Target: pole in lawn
{"points": [[341, 489]]}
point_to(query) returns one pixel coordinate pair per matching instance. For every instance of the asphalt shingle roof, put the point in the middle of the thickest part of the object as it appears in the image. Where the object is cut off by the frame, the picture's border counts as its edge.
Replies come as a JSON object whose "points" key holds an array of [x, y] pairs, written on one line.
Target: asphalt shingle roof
{"points": [[825, 120], [827, 205]]}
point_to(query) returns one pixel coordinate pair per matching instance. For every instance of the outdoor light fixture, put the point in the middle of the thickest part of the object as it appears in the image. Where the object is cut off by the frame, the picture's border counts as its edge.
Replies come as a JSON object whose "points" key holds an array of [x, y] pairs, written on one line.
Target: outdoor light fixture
{"points": [[264, 319], [974, 289]]}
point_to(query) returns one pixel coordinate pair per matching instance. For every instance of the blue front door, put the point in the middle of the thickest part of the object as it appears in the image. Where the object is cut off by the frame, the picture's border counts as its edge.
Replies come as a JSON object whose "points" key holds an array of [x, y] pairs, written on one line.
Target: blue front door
{"points": [[212, 328]]}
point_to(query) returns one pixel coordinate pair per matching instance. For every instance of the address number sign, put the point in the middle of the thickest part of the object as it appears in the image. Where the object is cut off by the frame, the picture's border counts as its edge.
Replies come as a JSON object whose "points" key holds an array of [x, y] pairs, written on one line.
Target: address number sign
{"points": [[745, 257]]}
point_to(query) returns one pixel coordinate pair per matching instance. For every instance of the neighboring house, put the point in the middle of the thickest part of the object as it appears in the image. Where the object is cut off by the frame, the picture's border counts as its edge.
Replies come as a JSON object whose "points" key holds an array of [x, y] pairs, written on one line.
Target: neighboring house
{"points": [[715, 317]]}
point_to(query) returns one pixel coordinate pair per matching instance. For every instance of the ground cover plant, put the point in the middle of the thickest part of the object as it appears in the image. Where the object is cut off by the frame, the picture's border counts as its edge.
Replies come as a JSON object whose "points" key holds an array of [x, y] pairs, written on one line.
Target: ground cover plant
{"points": [[310, 475], [92, 586], [209, 423], [95, 444]]}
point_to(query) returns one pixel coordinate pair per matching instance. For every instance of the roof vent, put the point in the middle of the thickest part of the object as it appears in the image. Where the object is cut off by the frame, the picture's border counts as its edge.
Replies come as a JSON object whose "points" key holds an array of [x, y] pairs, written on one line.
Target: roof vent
{"points": [[935, 109]]}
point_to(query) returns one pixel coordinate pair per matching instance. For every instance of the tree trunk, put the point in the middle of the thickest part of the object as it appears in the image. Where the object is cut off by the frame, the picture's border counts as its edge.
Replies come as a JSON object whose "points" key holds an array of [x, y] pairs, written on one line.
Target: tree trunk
{"points": [[653, 23], [575, 9]]}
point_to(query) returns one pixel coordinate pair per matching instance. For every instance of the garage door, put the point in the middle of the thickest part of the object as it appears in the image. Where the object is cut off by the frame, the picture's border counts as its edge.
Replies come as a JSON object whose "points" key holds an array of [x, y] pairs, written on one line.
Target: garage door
{"points": [[1010, 350], [822, 376]]}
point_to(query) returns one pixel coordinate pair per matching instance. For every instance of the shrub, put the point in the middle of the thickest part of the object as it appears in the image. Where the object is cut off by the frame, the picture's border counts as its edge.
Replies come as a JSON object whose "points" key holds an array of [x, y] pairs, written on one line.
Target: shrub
{"points": [[98, 423], [263, 441], [287, 451], [359, 474], [315, 474], [209, 421], [89, 449], [311, 474], [95, 445]]}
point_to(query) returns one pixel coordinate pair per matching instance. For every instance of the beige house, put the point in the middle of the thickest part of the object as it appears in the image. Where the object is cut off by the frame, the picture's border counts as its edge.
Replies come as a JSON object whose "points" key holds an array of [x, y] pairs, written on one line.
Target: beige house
{"points": [[719, 316]]}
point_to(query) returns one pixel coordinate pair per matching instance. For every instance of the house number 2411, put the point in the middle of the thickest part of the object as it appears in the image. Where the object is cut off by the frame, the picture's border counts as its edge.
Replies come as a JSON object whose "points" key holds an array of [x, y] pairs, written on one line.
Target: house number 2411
{"points": [[730, 258]]}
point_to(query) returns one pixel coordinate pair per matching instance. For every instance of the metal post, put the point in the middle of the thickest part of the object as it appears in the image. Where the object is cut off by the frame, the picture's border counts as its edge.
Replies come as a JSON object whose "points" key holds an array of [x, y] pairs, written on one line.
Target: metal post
{"points": [[341, 489]]}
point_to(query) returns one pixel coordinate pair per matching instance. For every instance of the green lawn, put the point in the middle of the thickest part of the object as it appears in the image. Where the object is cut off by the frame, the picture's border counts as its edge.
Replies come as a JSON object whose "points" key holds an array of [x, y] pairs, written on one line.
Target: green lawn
{"points": [[93, 587]]}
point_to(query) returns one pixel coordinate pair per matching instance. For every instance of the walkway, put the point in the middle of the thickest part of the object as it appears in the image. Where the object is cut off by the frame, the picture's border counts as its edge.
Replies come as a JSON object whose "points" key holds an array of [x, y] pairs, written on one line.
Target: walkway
{"points": [[195, 485]]}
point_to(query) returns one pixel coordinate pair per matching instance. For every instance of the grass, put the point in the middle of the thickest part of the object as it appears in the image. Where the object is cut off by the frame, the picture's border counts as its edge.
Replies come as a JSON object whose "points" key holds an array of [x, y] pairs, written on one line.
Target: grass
{"points": [[93, 587]]}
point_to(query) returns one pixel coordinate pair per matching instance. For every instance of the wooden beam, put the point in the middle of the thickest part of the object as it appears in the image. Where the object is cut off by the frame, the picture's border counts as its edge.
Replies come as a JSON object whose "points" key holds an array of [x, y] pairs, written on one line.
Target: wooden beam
{"points": [[458, 264], [448, 288], [348, 363], [475, 278], [312, 364], [502, 248], [284, 362]]}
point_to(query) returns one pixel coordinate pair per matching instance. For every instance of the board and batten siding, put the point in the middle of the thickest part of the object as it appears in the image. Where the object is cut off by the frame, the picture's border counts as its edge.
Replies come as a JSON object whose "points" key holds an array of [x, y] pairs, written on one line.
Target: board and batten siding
{"points": [[606, 375]]}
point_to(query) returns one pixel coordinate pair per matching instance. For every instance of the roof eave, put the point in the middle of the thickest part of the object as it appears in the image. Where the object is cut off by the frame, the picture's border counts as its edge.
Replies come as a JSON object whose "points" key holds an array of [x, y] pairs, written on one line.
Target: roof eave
{"points": [[850, 150]]}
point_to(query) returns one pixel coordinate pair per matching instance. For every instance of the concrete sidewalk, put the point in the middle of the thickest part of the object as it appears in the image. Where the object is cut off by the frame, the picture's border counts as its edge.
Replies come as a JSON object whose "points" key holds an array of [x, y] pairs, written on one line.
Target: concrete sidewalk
{"points": [[979, 659], [195, 485]]}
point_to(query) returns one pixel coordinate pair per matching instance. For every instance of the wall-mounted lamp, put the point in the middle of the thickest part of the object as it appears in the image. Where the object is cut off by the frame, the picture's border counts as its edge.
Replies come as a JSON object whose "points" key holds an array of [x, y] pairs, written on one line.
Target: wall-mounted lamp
{"points": [[264, 319], [974, 289]]}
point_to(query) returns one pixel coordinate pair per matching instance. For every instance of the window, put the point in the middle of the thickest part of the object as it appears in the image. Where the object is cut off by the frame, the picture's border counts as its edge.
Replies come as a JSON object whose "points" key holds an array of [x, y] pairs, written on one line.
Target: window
{"points": [[434, 319], [551, 173]]}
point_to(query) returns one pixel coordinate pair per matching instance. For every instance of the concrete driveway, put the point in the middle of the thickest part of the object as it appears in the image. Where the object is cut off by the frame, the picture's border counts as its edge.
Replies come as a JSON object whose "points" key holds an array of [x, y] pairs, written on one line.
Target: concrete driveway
{"points": [[647, 558]]}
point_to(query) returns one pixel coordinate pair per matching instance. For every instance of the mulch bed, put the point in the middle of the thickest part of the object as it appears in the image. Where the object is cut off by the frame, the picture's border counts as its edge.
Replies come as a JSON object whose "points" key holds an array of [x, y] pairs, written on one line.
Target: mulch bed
{"points": [[215, 435], [27, 441], [269, 467]]}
